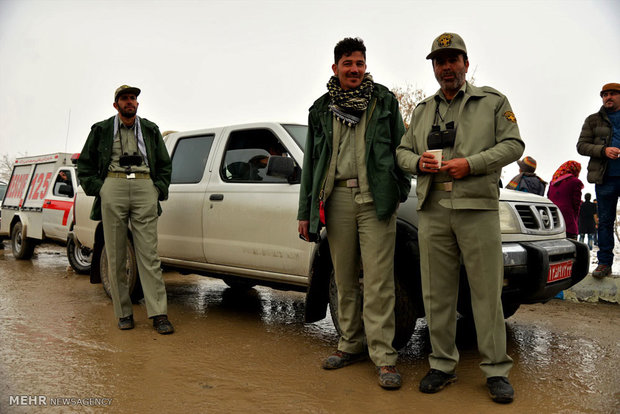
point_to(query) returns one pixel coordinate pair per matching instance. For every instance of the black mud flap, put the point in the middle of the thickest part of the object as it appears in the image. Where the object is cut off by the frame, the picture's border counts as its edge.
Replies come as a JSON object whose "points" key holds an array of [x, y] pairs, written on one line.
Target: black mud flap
{"points": [[581, 266], [317, 295]]}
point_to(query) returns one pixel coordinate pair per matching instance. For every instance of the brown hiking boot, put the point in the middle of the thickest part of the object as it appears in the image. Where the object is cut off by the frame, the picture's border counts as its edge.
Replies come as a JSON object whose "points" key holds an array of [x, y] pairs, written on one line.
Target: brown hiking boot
{"points": [[602, 270], [341, 359], [389, 377]]}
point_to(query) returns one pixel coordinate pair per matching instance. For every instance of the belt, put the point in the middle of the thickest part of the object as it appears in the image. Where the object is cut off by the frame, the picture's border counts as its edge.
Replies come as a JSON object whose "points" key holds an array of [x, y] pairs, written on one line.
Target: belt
{"points": [[350, 183], [446, 186], [129, 176]]}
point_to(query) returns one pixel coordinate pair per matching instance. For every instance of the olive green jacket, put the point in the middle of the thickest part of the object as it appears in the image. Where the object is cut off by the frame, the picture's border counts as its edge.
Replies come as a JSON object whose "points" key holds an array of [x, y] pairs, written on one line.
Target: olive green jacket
{"points": [[388, 184], [487, 136], [92, 166], [594, 138]]}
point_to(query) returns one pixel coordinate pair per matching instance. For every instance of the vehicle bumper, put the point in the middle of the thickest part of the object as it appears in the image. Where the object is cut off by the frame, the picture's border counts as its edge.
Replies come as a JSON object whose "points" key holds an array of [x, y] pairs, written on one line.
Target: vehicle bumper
{"points": [[527, 264]]}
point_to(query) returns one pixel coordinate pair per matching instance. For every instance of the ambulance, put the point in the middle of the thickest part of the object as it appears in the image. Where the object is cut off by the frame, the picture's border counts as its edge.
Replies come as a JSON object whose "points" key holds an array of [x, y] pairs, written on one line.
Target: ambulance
{"points": [[38, 206]]}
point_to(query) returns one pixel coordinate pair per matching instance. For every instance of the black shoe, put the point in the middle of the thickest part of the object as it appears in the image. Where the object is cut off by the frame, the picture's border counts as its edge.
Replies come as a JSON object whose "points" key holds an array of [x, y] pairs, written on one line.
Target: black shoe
{"points": [[435, 381], [162, 325], [500, 390], [341, 359], [125, 323]]}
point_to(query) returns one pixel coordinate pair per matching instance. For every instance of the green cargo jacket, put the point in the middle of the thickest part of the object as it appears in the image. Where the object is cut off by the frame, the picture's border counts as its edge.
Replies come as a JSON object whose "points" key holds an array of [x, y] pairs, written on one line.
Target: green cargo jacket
{"points": [[92, 166], [594, 138], [487, 136], [388, 184]]}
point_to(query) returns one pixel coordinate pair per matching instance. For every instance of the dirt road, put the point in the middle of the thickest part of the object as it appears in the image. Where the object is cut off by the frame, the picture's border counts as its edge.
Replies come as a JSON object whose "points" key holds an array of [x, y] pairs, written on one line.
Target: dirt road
{"points": [[250, 352]]}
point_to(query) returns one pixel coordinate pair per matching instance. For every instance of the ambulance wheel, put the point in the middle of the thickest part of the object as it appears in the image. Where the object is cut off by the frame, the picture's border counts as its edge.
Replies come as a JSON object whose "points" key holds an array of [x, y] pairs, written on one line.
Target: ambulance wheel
{"points": [[22, 247], [79, 257], [131, 274]]}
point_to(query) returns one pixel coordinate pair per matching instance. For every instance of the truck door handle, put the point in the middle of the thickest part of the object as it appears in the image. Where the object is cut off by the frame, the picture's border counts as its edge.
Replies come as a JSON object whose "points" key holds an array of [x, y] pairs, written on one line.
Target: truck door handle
{"points": [[216, 197], [49, 202]]}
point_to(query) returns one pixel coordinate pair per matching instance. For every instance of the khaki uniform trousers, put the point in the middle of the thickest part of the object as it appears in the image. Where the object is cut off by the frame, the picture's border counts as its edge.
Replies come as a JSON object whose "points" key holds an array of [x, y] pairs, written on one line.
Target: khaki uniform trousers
{"points": [[353, 228], [135, 200], [445, 234]]}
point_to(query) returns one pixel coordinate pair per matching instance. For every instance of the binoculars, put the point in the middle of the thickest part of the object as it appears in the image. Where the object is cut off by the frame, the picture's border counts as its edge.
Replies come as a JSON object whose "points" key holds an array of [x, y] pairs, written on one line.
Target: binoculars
{"points": [[438, 139], [127, 160]]}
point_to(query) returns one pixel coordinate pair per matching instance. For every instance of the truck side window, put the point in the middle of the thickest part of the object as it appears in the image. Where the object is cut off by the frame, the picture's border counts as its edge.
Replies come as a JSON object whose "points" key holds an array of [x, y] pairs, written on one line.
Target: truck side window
{"points": [[247, 154], [63, 179], [190, 158]]}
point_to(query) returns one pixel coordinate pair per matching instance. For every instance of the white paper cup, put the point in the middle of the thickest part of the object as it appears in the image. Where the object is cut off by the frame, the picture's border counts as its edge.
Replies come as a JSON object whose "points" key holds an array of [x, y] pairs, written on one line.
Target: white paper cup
{"points": [[437, 153]]}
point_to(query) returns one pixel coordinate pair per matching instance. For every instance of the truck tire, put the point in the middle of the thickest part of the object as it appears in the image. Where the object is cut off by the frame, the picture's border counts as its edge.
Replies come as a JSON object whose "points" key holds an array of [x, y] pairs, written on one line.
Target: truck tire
{"points": [[79, 258], [408, 305], [23, 247], [133, 279]]}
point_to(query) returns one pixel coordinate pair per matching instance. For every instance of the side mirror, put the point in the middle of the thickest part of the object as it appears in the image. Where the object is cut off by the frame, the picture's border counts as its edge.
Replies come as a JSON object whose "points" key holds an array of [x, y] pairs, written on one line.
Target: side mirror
{"points": [[279, 166]]}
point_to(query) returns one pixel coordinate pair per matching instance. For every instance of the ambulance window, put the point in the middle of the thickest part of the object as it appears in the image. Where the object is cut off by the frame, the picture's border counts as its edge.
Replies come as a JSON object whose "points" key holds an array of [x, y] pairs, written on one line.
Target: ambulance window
{"points": [[190, 158], [63, 186]]}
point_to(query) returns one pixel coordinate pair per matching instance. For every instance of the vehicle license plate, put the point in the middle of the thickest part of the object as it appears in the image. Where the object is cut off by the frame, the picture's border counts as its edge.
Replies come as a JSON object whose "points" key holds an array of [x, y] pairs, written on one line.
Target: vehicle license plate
{"points": [[559, 271]]}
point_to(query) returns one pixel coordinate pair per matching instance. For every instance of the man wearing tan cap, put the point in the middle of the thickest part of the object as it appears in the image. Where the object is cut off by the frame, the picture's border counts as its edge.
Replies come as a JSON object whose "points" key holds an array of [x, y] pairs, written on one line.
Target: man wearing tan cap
{"points": [[600, 140], [125, 165], [527, 180], [458, 203]]}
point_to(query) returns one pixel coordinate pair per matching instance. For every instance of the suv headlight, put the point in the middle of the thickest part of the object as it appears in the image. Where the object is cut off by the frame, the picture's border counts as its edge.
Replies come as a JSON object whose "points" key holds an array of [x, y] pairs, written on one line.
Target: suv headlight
{"points": [[508, 220]]}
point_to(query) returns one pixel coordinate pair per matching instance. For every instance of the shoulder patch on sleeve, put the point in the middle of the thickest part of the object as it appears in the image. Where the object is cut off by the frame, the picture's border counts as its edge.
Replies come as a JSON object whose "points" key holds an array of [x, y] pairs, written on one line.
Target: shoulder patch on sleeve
{"points": [[509, 115]]}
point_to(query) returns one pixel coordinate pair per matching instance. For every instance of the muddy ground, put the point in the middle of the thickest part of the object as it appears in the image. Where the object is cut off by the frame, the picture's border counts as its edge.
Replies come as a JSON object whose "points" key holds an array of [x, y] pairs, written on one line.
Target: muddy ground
{"points": [[251, 352]]}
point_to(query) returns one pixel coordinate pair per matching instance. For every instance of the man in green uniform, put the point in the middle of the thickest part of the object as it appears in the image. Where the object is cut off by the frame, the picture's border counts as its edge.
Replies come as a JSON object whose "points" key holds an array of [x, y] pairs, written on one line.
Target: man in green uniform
{"points": [[458, 202], [126, 166], [351, 179]]}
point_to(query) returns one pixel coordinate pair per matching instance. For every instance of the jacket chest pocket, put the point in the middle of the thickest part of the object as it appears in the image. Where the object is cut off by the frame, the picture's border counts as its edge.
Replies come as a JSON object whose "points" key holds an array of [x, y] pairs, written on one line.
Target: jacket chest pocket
{"points": [[320, 142], [601, 134]]}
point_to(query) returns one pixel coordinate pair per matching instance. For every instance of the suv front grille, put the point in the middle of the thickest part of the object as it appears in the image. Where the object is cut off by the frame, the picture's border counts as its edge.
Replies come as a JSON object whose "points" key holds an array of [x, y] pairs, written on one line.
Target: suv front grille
{"points": [[540, 217]]}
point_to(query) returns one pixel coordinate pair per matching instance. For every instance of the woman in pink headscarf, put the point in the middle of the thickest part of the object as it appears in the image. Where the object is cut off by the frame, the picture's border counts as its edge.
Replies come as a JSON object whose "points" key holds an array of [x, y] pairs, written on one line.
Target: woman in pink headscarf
{"points": [[565, 192]]}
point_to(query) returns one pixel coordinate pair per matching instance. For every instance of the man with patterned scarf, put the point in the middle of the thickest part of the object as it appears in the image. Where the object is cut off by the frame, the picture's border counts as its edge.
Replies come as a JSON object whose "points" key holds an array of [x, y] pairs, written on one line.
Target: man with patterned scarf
{"points": [[125, 165], [351, 183]]}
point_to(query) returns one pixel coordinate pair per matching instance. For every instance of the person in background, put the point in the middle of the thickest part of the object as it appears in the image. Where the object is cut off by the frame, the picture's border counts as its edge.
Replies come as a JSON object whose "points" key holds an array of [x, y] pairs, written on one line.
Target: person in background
{"points": [[351, 183], [527, 180], [458, 203], [587, 224], [565, 192], [600, 140]]}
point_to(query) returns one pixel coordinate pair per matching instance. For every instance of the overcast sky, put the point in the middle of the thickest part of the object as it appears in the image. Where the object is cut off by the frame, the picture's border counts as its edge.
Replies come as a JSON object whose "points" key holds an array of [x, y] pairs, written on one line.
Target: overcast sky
{"points": [[210, 63]]}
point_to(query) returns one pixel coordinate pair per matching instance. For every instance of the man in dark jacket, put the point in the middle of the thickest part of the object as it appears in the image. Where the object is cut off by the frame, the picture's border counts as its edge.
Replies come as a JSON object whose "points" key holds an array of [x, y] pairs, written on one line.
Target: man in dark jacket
{"points": [[350, 182], [587, 224], [600, 140], [527, 180], [125, 165]]}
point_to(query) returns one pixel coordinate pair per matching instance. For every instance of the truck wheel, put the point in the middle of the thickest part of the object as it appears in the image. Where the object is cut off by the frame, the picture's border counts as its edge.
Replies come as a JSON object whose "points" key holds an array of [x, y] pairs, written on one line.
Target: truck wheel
{"points": [[79, 258], [408, 306], [22, 247], [133, 279]]}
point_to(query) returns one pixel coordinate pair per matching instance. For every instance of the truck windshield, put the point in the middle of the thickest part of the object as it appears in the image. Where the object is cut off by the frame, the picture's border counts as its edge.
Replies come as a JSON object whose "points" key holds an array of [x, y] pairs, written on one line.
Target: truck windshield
{"points": [[298, 132]]}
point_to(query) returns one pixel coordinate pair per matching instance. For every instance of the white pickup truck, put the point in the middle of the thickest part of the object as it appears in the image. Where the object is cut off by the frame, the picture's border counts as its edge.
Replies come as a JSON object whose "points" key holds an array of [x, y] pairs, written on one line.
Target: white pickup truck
{"points": [[38, 206], [231, 214]]}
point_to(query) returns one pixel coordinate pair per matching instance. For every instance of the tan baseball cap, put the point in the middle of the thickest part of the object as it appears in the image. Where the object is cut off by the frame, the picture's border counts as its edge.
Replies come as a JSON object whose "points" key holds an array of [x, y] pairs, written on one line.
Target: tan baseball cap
{"points": [[610, 87], [123, 89], [447, 41]]}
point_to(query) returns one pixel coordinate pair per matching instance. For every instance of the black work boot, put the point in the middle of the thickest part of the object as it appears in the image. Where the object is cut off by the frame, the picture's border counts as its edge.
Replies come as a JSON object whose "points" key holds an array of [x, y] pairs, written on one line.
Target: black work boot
{"points": [[162, 325], [125, 323], [500, 390], [435, 380]]}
